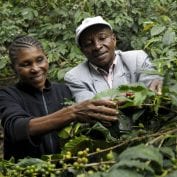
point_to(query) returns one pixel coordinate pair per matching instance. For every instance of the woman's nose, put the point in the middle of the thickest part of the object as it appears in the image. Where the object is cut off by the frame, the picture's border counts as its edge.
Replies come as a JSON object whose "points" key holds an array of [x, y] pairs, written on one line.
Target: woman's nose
{"points": [[34, 68]]}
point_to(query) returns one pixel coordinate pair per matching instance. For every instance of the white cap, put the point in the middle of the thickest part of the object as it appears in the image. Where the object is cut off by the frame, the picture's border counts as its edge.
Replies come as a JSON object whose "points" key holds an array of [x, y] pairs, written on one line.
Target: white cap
{"points": [[90, 22]]}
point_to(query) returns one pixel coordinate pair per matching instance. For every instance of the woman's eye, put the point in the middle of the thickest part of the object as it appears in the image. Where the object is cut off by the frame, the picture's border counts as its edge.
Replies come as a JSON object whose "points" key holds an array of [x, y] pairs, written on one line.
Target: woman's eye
{"points": [[39, 59], [24, 64]]}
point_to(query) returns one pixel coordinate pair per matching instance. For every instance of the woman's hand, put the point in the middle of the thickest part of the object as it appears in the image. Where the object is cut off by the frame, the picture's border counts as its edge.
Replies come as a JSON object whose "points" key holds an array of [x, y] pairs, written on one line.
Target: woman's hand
{"points": [[105, 111]]}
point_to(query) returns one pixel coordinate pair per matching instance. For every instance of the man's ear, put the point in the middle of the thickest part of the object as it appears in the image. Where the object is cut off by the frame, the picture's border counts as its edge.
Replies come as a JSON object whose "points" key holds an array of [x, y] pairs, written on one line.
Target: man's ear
{"points": [[81, 49], [114, 39]]}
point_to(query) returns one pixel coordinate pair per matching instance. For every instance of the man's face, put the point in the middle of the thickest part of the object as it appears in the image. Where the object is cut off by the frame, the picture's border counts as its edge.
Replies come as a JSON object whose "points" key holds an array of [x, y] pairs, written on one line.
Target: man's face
{"points": [[98, 45], [31, 66]]}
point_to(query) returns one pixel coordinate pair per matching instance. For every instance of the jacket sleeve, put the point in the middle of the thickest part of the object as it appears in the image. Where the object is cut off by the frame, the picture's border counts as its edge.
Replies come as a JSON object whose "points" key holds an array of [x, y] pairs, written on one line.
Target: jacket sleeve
{"points": [[139, 64], [14, 118], [145, 69], [81, 91]]}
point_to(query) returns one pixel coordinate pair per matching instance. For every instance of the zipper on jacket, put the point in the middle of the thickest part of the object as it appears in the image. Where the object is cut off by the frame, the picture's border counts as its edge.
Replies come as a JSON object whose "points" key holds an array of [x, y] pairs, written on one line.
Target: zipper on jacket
{"points": [[46, 110]]}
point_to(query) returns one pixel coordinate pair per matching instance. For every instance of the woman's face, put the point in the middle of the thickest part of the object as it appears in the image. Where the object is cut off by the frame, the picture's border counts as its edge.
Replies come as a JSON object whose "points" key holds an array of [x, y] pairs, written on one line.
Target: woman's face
{"points": [[31, 66]]}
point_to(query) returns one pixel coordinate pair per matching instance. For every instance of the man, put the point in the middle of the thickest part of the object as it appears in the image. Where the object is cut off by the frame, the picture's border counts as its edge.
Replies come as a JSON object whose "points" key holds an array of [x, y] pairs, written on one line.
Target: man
{"points": [[106, 67]]}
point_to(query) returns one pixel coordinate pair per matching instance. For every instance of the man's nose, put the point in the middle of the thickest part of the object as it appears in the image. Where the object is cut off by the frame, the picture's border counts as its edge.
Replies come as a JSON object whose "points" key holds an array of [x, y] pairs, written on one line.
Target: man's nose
{"points": [[97, 44]]}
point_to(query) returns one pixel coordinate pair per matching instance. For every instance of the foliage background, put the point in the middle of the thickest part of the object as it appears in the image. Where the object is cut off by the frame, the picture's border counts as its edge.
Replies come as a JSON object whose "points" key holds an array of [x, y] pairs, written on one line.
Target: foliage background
{"points": [[138, 24], [144, 24]]}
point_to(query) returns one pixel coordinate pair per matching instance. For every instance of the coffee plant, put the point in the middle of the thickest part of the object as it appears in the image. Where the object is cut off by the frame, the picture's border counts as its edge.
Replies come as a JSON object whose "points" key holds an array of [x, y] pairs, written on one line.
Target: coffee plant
{"points": [[143, 141]]}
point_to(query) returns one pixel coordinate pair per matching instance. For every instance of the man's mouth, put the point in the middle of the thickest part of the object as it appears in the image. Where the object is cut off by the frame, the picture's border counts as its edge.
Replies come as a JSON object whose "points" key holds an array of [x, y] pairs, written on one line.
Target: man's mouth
{"points": [[100, 55]]}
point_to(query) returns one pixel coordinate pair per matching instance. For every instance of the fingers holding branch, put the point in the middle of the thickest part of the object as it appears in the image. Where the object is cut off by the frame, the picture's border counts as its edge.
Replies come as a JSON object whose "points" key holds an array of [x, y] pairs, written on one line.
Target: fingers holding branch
{"points": [[107, 103], [101, 110], [156, 86]]}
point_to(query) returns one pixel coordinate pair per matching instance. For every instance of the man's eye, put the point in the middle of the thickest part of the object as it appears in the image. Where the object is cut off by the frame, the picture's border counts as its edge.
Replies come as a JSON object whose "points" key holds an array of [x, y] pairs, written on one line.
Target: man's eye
{"points": [[103, 37], [87, 44]]}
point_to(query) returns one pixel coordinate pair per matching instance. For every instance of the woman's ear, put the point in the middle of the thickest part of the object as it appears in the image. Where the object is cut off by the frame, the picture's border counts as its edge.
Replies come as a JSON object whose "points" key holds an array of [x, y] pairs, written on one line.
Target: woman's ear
{"points": [[12, 66]]}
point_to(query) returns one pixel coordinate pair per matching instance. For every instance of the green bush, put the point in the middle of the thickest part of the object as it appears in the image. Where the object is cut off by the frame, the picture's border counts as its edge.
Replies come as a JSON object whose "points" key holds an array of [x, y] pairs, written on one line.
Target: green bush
{"points": [[150, 149], [146, 24]]}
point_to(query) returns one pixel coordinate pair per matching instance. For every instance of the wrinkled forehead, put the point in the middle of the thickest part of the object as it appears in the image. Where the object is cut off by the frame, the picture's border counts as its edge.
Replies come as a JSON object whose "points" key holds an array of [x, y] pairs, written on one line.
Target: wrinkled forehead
{"points": [[94, 30]]}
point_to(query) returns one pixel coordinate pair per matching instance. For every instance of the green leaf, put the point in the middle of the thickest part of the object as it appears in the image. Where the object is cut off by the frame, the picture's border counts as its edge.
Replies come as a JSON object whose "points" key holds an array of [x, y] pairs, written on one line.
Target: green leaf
{"points": [[65, 132], [148, 25], [141, 93], [110, 93], [97, 174], [114, 129], [142, 152], [51, 157], [169, 37], [69, 131], [98, 131], [61, 73], [173, 174], [76, 144], [1, 175], [3, 62], [123, 173], [139, 98], [133, 164], [29, 161], [125, 122], [137, 114], [167, 152], [29, 13], [157, 30]]}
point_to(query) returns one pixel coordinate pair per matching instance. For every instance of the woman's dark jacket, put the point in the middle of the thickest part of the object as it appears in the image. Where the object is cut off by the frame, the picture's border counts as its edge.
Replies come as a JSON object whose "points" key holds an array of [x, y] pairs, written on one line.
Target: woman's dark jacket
{"points": [[19, 104]]}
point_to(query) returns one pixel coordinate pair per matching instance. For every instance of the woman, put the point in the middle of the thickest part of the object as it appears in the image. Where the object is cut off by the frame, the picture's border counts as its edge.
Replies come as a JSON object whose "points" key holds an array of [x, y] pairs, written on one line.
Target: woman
{"points": [[32, 111]]}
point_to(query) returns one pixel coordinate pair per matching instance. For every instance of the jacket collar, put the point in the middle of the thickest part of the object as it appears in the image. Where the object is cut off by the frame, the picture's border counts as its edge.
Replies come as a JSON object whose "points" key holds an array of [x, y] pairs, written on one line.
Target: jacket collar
{"points": [[30, 89], [100, 70]]}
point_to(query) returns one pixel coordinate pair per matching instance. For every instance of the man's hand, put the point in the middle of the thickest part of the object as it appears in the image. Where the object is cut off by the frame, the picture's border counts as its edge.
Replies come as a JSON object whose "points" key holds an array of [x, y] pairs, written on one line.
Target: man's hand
{"points": [[156, 86]]}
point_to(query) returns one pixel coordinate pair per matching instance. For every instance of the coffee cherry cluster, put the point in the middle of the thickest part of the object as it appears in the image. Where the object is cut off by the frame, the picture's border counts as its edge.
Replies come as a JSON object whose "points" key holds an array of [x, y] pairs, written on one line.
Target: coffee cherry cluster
{"points": [[77, 162], [66, 160], [104, 167], [82, 159], [45, 169]]}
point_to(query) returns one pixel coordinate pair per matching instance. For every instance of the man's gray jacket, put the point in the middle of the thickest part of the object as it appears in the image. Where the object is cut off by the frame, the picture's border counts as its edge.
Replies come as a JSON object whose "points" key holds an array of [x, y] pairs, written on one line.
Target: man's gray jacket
{"points": [[85, 82]]}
